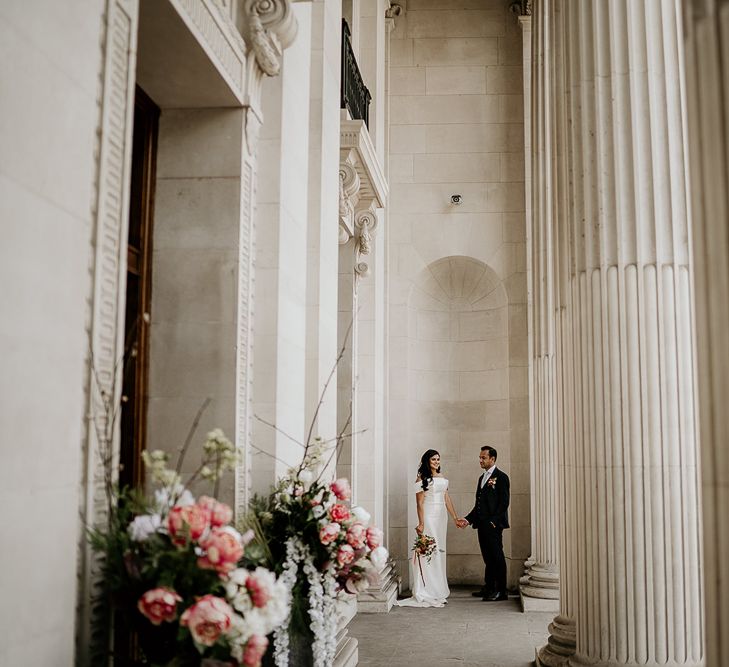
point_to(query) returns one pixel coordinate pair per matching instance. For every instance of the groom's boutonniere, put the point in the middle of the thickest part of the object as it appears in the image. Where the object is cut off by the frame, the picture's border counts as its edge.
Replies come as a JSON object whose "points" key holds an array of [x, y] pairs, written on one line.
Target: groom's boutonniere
{"points": [[491, 482]]}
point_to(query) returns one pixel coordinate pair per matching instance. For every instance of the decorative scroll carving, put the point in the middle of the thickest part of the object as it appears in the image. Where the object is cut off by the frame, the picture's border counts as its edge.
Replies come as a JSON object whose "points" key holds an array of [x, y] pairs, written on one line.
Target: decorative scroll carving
{"points": [[269, 27]]}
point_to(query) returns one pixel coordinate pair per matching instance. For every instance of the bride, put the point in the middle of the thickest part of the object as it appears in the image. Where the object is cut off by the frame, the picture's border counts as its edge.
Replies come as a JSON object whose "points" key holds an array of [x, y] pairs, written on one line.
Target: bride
{"points": [[429, 581]]}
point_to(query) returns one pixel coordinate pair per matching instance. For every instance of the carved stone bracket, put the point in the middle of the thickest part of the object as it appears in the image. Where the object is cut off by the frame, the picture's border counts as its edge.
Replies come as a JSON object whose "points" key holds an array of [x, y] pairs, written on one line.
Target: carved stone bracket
{"points": [[268, 27], [349, 184], [362, 190], [391, 13]]}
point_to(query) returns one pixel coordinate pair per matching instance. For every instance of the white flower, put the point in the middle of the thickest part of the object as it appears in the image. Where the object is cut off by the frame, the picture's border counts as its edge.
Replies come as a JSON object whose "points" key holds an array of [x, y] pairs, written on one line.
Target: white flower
{"points": [[318, 511], [379, 557], [143, 526], [163, 497], [361, 514], [306, 477]]}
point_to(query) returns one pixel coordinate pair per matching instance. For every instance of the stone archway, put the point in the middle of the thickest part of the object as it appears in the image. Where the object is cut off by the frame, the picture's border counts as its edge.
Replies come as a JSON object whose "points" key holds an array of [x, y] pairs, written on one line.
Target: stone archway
{"points": [[460, 396]]}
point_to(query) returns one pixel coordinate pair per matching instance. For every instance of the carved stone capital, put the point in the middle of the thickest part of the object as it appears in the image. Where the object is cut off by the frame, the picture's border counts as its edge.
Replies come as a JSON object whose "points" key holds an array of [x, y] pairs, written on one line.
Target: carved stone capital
{"points": [[391, 13], [269, 26]]}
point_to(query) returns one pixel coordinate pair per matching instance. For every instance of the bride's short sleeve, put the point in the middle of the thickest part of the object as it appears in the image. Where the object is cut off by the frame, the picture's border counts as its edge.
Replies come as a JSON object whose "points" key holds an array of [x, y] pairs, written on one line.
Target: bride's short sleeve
{"points": [[418, 486]]}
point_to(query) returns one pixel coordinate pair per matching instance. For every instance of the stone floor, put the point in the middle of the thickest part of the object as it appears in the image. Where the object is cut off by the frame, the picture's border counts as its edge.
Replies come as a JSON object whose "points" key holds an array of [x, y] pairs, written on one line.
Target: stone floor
{"points": [[467, 632]]}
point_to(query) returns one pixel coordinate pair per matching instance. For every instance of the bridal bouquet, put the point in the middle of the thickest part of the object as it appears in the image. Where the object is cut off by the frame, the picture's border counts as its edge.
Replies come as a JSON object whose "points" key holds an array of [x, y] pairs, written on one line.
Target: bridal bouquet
{"points": [[306, 530], [178, 572], [424, 546]]}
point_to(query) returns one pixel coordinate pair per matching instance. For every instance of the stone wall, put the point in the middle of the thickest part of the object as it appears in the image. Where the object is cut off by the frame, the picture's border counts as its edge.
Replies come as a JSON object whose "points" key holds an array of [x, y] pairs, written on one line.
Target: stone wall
{"points": [[456, 127], [50, 114]]}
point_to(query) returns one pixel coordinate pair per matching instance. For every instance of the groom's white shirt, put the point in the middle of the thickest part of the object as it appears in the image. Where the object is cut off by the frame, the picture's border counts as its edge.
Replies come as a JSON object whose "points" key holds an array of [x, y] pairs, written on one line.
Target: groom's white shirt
{"points": [[487, 474]]}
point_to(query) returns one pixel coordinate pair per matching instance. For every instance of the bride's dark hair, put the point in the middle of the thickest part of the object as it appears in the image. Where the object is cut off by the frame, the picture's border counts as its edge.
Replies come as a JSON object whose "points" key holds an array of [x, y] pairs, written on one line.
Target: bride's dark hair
{"points": [[424, 469]]}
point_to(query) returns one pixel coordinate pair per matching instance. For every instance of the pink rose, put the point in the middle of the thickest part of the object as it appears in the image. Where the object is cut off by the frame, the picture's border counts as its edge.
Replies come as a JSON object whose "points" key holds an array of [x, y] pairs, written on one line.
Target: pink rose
{"points": [[223, 550], [356, 535], [220, 513], [207, 619], [339, 513], [374, 537], [159, 604], [341, 489], [189, 522], [258, 591], [329, 532], [255, 650], [345, 555]]}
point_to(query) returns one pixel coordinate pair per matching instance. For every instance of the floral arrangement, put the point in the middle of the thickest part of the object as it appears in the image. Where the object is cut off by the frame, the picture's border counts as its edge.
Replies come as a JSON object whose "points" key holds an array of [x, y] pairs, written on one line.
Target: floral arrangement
{"points": [[177, 569], [308, 532]]}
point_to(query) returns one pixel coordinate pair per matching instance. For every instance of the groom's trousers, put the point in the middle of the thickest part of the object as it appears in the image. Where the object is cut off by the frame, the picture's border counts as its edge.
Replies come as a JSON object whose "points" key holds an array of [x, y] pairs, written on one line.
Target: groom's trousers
{"points": [[492, 549]]}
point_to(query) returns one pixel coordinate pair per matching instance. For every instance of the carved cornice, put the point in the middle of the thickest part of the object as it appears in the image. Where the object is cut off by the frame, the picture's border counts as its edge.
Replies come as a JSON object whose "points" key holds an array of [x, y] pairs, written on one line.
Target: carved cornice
{"points": [[215, 30], [355, 147]]}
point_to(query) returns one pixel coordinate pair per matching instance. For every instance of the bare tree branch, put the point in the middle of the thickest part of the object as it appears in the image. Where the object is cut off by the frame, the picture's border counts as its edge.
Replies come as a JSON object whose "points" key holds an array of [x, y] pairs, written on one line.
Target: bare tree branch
{"points": [[281, 431], [191, 433]]}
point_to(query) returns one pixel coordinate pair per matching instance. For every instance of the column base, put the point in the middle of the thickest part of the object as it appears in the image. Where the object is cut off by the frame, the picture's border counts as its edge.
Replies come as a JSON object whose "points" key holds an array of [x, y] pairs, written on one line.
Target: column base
{"points": [[379, 599], [539, 589], [583, 661], [561, 644], [347, 653]]}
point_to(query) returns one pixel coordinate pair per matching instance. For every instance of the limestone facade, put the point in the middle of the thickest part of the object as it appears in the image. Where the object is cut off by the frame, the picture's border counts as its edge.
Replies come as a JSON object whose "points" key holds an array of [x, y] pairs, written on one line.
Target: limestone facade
{"points": [[513, 248]]}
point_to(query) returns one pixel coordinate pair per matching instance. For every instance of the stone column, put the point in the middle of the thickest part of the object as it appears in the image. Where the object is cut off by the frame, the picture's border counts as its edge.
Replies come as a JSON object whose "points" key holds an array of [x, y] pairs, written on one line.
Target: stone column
{"points": [[628, 307], [539, 586], [707, 38]]}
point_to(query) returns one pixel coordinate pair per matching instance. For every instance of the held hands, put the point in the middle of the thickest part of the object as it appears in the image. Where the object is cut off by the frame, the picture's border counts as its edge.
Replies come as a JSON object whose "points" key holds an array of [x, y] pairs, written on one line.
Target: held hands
{"points": [[461, 523]]}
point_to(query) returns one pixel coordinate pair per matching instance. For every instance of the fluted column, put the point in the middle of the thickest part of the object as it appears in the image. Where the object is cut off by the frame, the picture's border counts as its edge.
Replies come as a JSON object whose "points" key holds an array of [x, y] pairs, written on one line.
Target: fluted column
{"points": [[539, 586], [707, 40], [628, 307]]}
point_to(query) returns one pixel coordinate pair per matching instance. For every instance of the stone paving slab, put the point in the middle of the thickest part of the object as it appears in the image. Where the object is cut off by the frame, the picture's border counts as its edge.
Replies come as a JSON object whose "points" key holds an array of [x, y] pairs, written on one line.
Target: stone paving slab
{"points": [[467, 632]]}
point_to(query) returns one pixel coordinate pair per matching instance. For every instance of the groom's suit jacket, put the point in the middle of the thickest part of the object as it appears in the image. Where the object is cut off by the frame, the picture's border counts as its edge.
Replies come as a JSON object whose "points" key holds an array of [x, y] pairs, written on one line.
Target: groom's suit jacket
{"points": [[492, 502]]}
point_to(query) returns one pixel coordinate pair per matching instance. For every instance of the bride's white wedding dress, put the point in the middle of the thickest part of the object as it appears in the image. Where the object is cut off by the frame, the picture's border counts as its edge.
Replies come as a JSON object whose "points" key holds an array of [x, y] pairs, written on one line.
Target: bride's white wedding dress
{"points": [[430, 586]]}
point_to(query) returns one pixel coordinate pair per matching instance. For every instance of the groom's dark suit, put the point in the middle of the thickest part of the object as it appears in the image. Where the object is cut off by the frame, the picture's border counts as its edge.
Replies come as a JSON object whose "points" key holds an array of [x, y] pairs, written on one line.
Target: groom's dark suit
{"points": [[490, 516]]}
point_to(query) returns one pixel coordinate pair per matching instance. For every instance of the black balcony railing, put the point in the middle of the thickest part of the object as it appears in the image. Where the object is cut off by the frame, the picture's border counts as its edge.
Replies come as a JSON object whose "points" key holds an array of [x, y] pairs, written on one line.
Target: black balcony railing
{"points": [[354, 94]]}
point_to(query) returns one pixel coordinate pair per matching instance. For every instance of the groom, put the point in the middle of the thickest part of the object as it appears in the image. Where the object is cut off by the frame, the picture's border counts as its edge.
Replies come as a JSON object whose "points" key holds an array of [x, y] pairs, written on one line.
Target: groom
{"points": [[489, 516]]}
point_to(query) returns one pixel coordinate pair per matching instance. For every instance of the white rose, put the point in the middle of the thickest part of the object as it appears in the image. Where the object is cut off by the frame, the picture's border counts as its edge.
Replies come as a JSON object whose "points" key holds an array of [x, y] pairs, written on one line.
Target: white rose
{"points": [[379, 557], [361, 514], [143, 526], [318, 511]]}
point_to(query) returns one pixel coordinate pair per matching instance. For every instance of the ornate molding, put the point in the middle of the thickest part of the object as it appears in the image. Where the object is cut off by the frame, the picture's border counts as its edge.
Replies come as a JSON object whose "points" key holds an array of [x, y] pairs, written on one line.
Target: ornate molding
{"points": [[521, 7], [216, 30], [349, 184], [391, 13]]}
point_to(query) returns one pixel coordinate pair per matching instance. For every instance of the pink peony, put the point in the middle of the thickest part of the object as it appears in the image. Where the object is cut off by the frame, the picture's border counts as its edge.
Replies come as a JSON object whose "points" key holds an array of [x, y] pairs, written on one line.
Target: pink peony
{"points": [[345, 555], [189, 522], [339, 513], [374, 537], [258, 591], [356, 535], [255, 650], [341, 489], [223, 550], [329, 532], [220, 513], [159, 604], [207, 619]]}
